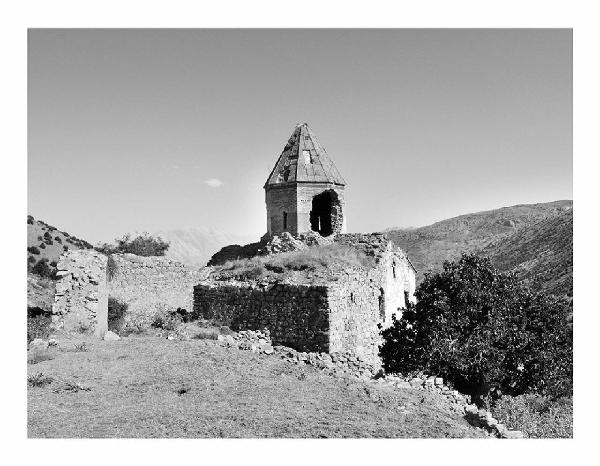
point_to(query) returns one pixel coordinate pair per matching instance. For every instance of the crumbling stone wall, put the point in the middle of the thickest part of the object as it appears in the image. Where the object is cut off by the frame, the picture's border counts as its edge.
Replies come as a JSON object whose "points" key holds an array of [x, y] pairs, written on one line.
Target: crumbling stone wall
{"points": [[340, 316], [296, 315], [146, 282], [305, 195], [354, 316], [81, 299]]}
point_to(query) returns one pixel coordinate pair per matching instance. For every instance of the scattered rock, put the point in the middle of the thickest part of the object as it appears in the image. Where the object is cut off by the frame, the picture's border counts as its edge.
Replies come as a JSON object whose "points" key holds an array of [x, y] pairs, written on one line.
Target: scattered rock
{"points": [[111, 336], [38, 344]]}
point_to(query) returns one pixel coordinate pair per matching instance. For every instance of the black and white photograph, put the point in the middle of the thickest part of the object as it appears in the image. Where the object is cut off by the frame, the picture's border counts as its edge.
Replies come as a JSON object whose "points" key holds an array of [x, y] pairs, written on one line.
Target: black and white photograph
{"points": [[298, 233]]}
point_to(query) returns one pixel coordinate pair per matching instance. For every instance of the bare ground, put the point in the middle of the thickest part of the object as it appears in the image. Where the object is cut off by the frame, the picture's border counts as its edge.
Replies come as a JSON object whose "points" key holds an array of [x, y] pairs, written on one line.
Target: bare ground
{"points": [[151, 387]]}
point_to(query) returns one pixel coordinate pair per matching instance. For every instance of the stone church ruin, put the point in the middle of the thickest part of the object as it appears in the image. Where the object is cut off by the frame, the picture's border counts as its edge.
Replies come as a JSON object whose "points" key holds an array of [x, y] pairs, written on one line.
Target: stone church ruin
{"points": [[292, 282], [339, 311]]}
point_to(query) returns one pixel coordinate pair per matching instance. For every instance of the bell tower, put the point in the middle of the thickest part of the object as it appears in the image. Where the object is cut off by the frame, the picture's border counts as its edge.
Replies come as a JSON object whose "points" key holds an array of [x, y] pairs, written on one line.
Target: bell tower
{"points": [[305, 191]]}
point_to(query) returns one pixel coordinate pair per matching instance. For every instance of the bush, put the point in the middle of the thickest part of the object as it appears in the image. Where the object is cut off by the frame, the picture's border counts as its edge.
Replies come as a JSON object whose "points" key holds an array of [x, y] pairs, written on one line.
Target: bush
{"points": [[536, 416], [31, 259], [39, 326], [39, 380], [42, 246], [30, 219], [141, 245], [484, 332], [33, 250], [43, 269], [65, 248], [116, 314], [58, 239], [166, 318]]}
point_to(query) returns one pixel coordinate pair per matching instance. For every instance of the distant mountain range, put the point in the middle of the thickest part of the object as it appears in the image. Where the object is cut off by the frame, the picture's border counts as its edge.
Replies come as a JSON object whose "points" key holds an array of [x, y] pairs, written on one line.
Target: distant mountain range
{"points": [[195, 246], [534, 240]]}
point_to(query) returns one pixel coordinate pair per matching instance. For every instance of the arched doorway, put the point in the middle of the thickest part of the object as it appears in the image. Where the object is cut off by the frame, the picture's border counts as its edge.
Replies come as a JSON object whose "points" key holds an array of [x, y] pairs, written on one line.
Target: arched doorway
{"points": [[326, 213]]}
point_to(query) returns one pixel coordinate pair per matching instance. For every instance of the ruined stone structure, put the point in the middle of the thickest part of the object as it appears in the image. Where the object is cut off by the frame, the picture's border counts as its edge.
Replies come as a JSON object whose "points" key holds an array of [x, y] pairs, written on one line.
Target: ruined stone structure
{"points": [[145, 282], [337, 313], [305, 191], [83, 287], [81, 299]]}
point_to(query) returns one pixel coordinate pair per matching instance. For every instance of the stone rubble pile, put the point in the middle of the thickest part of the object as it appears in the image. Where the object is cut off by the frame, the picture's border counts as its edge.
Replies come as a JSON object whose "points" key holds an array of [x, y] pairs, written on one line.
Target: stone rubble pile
{"points": [[338, 363], [256, 341], [285, 242]]}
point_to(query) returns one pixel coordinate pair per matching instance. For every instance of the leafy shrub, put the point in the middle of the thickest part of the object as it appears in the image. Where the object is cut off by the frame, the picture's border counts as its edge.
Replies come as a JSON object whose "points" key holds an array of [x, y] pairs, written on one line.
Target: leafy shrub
{"points": [[116, 314], [43, 269], [484, 332], [40, 238], [39, 326], [31, 259], [30, 220], [47, 235], [65, 248], [166, 318], [169, 322], [33, 250], [42, 246], [80, 347], [536, 416], [39, 380], [58, 239], [141, 245]]}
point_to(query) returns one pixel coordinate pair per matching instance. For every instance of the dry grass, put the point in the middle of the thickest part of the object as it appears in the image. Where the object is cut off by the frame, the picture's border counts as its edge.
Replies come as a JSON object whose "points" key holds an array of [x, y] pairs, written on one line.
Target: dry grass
{"points": [[314, 259], [536, 416], [150, 387]]}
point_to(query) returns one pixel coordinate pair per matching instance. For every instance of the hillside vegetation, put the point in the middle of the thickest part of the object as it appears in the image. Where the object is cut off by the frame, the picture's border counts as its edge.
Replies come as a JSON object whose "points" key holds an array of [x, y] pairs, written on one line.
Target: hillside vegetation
{"points": [[513, 237], [46, 244]]}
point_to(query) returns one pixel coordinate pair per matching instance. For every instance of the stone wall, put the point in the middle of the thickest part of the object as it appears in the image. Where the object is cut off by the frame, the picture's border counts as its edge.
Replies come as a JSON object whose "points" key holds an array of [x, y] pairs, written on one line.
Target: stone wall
{"points": [[281, 199], [147, 282], [296, 315], [354, 316], [81, 299]]}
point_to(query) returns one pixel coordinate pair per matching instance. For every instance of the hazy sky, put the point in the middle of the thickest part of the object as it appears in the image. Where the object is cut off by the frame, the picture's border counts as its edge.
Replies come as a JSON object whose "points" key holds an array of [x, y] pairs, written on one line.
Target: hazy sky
{"points": [[133, 130]]}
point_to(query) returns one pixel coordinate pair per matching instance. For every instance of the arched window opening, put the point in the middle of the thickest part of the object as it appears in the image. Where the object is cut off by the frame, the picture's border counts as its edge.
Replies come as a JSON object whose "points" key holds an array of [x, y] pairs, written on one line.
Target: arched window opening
{"points": [[326, 213]]}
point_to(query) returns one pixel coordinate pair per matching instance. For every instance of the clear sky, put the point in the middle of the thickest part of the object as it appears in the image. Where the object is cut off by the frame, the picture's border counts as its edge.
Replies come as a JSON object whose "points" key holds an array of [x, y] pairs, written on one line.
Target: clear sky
{"points": [[133, 130]]}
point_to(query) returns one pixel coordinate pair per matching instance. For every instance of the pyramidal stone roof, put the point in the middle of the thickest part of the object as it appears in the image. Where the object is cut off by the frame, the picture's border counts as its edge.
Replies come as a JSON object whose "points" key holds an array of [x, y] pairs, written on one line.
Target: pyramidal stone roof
{"points": [[304, 160]]}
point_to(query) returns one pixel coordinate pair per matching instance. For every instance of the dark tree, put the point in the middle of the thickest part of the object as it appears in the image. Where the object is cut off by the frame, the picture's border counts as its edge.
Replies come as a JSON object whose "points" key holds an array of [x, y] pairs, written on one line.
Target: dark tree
{"points": [[485, 332]]}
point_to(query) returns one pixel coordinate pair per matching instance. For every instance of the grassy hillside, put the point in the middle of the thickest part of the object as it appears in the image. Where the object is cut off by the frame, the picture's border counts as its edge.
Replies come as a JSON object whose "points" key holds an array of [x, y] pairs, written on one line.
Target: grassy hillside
{"points": [[540, 254], [45, 242], [491, 232], [152, 387]]}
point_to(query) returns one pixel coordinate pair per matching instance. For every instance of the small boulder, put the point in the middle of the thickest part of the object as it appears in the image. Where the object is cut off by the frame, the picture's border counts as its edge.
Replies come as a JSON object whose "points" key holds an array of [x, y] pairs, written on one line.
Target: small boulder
{"points": [[38, 344], [267, 349], [111, 336]]}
